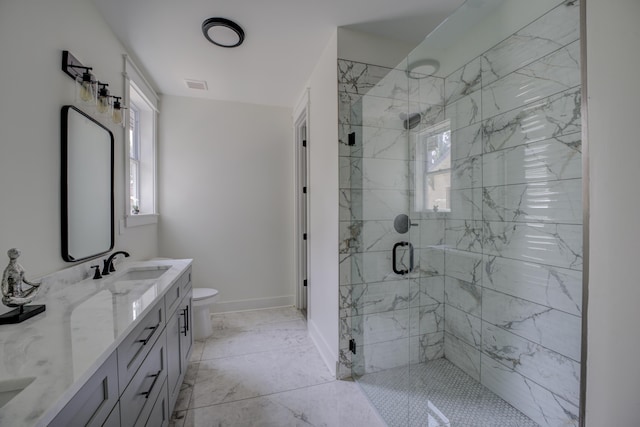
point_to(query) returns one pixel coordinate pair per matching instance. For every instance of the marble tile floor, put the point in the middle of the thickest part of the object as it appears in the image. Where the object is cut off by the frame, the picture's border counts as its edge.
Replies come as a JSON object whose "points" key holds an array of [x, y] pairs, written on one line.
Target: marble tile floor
{"points": [[437, 394], [260, 368]]}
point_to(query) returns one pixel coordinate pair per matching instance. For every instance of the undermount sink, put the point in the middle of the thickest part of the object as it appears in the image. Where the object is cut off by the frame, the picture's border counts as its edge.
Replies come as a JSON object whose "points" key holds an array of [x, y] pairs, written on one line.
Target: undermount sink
{"points": [[143, 273], [10, 388]]}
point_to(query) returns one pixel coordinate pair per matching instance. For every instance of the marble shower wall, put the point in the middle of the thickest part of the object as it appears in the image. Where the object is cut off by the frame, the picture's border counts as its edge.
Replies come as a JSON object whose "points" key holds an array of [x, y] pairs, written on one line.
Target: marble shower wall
{"points": [[395, 319], [497, 285], [513, 262]]}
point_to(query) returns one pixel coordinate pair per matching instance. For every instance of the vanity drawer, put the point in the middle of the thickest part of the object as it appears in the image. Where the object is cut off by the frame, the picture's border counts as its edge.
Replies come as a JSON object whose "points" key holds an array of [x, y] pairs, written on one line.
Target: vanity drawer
{"points": [[138, 399], [93, 403], [159, 416], [114, 418], [137, 344], [177, 292]]}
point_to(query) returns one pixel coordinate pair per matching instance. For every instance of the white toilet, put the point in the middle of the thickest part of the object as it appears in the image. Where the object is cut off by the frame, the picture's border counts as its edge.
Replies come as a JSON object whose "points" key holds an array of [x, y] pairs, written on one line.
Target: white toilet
{"points": [[202, 299]]}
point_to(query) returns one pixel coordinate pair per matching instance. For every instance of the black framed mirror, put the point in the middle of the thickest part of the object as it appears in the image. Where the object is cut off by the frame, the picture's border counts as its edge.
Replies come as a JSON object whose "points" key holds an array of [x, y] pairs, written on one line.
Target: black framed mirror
{"points": [[87, 186]]}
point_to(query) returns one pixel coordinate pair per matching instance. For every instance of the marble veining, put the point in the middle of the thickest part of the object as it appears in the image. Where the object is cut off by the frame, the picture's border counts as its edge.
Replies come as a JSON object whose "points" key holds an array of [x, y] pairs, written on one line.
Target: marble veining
{"points": [[465, 111], [554, 159], [534, 322], [550, 117], [466, 141], [538, 403], [463, 355], [554, 287], [463, 82], [463, 295], [358, 78], [466, 173], [556, 201], [553, 244], [464, 326], [551, 74], [555, 29], [84, 323], [557, 373]]}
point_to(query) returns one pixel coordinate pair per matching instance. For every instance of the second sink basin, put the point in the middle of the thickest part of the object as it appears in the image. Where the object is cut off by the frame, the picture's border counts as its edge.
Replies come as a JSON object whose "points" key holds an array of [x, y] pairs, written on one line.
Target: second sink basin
{"points": [[143, 273], [10, 388]]}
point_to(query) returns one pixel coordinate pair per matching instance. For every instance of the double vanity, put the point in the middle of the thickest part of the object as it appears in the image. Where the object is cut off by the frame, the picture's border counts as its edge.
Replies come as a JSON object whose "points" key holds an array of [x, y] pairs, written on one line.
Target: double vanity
{"points": [[111, 351]]}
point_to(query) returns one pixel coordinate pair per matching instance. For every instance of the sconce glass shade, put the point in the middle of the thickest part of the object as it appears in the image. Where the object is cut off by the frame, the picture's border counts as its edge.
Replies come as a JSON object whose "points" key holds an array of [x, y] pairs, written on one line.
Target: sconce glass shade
{"points": [[117, 113], [104, 100], [86, 88], [116, 116]]}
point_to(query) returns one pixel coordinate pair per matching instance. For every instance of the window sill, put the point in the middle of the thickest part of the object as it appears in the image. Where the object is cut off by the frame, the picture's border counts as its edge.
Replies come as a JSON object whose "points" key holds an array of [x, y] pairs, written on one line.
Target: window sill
{"points": [[142, 219]]}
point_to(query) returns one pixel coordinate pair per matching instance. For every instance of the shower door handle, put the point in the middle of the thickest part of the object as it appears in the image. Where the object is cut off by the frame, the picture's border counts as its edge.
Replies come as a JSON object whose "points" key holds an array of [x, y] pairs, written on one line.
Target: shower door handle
{"points": [[395, 258]]}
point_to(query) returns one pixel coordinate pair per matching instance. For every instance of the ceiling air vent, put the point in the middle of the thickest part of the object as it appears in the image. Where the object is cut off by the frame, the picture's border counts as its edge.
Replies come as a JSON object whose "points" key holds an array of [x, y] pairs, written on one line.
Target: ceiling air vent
{"points": [[196, 84]]}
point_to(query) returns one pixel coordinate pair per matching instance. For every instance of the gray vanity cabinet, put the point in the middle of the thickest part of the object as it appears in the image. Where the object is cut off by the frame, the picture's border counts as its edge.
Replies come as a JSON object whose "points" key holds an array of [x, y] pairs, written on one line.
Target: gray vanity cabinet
{"points": [[94, 402], [137, 386], [179, 343]]}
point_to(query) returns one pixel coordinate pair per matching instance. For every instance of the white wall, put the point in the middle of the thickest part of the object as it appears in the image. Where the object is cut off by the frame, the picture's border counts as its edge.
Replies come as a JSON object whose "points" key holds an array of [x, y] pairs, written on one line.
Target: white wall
{"points": [[33, 89], [613, 360], [226, 198], [368, 48], [323, 205]]}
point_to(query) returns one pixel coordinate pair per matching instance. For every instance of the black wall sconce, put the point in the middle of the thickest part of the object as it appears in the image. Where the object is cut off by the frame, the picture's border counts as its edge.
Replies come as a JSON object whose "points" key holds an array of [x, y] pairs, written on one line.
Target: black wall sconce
{"points": [[91, 91]]}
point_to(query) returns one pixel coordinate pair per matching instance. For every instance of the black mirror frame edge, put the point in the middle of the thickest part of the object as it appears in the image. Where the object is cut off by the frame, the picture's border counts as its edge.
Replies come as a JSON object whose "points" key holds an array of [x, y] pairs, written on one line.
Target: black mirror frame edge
{"points": [[64, 114]]}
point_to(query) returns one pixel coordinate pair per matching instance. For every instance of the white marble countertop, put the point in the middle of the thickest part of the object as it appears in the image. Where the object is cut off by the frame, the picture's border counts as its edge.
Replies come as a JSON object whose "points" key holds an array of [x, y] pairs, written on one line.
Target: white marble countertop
{"points": [[84, 322]]}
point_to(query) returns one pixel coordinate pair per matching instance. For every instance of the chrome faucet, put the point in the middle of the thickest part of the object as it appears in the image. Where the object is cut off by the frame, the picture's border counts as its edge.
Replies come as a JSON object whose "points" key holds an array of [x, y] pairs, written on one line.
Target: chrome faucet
{"points": [[108, 263]]}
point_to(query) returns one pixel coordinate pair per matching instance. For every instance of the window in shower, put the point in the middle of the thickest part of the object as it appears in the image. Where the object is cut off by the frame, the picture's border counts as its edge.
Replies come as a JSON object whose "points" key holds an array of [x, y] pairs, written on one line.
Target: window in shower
{"points": [[433, 169]]}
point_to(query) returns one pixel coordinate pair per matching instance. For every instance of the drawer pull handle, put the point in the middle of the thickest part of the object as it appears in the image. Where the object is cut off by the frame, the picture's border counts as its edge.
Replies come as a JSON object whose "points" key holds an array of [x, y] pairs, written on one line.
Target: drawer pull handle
{"points": [[185, 313], [153, 330], [153, 384]]}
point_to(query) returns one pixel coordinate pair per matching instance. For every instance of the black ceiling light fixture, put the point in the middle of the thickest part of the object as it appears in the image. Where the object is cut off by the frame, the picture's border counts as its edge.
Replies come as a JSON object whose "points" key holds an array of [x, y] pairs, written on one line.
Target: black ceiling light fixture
{"points": [[222, 32]]}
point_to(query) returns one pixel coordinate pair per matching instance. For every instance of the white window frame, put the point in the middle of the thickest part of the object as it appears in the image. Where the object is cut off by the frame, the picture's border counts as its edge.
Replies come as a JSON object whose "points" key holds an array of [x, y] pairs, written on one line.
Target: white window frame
{"points": [[134, 80], [423, 171]]}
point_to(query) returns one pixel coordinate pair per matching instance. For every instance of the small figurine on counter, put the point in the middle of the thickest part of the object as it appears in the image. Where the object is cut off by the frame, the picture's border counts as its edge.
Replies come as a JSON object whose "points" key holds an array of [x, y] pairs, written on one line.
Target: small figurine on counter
{"points": [[14, 294]]}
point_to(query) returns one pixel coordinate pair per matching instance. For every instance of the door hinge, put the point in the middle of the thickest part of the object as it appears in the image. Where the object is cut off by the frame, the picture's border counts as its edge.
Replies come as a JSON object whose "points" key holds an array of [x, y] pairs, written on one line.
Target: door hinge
{"points": [[352, 139], [352, 346], [304, 190], [304, 282], [304, 142], [304, 236]]}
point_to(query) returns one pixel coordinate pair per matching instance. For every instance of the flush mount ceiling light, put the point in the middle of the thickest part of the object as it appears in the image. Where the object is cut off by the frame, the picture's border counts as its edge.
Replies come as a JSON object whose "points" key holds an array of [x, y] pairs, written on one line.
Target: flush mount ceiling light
{"points": [[223, 32], [422, 68]]}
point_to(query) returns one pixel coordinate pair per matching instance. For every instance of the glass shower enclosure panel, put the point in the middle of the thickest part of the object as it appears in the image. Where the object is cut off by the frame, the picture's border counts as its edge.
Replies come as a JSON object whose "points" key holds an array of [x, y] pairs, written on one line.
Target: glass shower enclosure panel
{"points": [[461, 170]]}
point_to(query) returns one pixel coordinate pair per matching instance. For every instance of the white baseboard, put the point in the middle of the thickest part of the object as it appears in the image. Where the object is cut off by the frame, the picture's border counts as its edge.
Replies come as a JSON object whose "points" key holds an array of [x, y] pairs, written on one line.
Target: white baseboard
{"points": [[327, 355], [253, 304]]}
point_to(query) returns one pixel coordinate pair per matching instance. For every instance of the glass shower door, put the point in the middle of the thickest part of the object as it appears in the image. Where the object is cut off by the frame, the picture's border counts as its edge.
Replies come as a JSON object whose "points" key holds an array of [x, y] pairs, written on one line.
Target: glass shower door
{"points": [[484, 327], [396, 259]]}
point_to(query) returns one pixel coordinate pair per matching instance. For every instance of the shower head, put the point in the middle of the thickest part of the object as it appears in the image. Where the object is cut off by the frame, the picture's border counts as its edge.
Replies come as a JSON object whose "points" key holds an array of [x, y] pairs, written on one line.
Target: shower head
{"points": [[410, 120]]}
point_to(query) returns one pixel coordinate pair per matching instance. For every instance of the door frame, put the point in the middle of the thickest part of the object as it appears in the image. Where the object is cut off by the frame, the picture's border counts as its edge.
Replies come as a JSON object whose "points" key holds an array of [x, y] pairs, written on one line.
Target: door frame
{"points": [[301, 159]]}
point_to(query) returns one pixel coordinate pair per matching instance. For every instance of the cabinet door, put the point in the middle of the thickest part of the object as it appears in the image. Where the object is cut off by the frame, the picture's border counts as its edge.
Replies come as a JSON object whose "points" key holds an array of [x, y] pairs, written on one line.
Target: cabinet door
{"points": [[174, 358], [186, 332], [159, 416], [114, 418], [92, 404]]}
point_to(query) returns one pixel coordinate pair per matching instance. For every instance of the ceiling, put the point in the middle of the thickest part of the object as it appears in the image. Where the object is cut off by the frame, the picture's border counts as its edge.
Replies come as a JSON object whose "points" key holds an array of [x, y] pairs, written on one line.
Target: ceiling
{"points": [[284, 39]]}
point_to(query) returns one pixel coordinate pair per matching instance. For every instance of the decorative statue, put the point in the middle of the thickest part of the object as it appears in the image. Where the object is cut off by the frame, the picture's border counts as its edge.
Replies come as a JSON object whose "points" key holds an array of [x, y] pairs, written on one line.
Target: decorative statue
{"points": [[14, 294]]}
